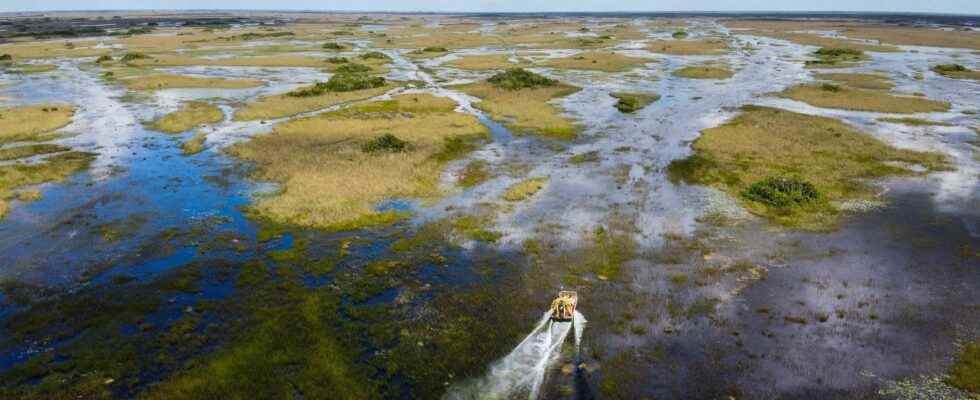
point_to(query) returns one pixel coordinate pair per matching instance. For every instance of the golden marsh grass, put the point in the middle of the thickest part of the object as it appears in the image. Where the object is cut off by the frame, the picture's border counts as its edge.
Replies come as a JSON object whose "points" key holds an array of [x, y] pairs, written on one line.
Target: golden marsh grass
{"points": [[860, 81], [607, 61], [329, 180], [704, 72], [168, 81], [53, 169], [25, 123], [484, 62], [844, 98], [191, 115], [525, 189], [282, 105], [526, 110], [765, 142], [689, 47]]}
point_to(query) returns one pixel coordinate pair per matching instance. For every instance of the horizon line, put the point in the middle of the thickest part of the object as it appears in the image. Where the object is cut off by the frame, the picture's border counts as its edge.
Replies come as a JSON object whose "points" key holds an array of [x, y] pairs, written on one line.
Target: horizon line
{"points": [[288, 10]]}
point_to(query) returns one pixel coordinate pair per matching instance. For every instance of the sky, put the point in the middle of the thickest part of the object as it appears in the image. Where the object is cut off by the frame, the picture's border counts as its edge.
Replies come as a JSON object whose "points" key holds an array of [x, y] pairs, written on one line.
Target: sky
{"points": [[935, 6]]}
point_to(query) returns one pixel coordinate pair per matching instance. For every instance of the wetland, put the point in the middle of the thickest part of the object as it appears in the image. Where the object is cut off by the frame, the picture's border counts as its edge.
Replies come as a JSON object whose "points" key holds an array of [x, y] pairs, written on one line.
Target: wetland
{"points": [[381, 206]]}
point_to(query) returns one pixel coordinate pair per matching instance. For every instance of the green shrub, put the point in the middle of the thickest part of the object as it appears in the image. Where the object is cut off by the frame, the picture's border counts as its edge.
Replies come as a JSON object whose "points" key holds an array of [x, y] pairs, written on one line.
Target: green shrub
{"points": [[387, 143], [838, 52], [353, 68], [340, 83], [949, 68], [435, 49], [519, 78], [679, 35], [103, 58], [337, 60], [133, 56], [376, 55], [6, 57], [829, 87], [333, 46], [782, 192], [630, 102]]}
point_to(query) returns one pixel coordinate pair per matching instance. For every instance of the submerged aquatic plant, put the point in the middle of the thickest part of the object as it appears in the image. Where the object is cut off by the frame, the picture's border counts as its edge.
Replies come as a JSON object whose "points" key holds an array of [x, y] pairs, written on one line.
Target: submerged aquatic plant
{"points": [[520, 78], [782, 192], [386, 143]]}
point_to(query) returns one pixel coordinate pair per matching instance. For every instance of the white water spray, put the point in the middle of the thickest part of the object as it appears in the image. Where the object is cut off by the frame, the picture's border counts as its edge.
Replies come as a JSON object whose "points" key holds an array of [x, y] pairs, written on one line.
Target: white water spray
{"points": [[522, 372]]}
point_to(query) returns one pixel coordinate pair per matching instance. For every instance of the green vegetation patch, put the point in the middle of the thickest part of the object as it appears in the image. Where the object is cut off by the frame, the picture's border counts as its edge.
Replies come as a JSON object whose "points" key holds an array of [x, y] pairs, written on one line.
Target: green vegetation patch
{"points": [[704, 72], [520, 78], [679, 35], [793, 168], [340, 83], [474, 173], [782, 192], [352, 68], [375, 55], [956, 71], [13, 153], [965, 372], [333, 46], [525, 189], [631, 102], [386, 143], [836, 57], [195, 144]]}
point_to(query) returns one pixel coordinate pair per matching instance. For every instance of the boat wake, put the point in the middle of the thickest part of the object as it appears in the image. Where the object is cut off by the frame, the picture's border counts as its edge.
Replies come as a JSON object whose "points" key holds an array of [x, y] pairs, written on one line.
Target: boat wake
{"points": [[521, 373]]}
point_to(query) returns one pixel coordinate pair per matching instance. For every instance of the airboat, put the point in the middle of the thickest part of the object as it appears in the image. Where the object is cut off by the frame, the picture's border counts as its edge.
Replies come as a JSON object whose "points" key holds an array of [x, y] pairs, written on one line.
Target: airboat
{"points": [[563, 307]]}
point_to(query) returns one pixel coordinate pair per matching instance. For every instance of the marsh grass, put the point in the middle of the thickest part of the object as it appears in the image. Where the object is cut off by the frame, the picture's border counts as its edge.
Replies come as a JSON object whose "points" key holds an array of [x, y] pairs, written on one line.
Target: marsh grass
{"points": [[607, 61], [965, 372], [860, 81], [26, 123], [284, 60], [526, 110], [32, 68], [333, 46], [283, 105], [483, 62], [821, 155], [195, 144], [704, 72], [474, 173], [13, 153], [523, 190], [956, 71], [631, 102], [169, 81], [191, 115], [914, 122], [329, 181], [53, 169], [689, 47], [861, 100]]}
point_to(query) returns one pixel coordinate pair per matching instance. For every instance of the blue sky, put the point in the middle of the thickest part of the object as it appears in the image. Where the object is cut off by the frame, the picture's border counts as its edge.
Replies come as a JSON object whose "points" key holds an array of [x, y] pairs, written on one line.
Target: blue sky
{"points": [[941, 6]]}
